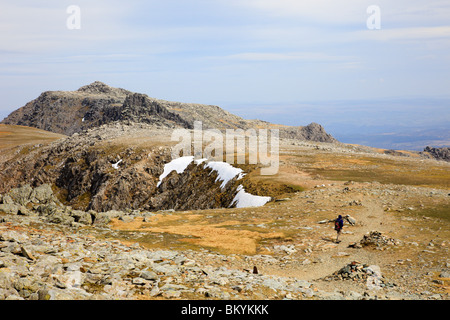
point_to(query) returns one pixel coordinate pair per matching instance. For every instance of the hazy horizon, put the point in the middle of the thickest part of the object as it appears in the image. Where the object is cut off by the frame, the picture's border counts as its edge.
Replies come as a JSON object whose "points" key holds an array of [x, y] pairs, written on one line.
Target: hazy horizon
{"points": [[425, 124], [288, 62]]}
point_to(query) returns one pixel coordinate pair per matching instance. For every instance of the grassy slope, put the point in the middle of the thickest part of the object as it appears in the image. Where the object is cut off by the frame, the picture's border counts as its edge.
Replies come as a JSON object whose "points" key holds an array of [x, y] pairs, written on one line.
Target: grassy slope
{"points": [[13, 136]]}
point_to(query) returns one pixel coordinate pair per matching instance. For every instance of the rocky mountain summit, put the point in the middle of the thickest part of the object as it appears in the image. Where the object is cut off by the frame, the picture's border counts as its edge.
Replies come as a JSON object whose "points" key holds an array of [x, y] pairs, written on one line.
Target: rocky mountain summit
{"points": [[69, 112]]}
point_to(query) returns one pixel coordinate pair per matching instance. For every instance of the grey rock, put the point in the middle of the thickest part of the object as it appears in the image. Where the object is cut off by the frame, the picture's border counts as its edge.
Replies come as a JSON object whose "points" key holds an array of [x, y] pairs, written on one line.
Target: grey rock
{"points": [[27, 253], [168, 270], [72, 266], [173, 287], [68, 294], [14, 297], [7, 199], [101, 219], [47, 209], [25, 212], [139, 281], [60, 217], [149, 275], [274, 284], [44, 294], [302, 284], [21, 195], [42, 194], [126, 219], [171, 294], [26, 286], [9, 208], [13, 236], [350, 220], [81, 217]]}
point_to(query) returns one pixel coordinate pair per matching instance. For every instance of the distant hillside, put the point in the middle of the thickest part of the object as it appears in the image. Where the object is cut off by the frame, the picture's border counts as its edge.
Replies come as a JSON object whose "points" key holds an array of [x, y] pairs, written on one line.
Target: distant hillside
{"points": [[438, 153], [69, 112]]}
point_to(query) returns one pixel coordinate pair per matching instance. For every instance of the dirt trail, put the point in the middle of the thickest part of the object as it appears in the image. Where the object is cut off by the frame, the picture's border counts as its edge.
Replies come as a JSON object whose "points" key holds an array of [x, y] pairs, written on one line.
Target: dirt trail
{"points": [[370, 218]]}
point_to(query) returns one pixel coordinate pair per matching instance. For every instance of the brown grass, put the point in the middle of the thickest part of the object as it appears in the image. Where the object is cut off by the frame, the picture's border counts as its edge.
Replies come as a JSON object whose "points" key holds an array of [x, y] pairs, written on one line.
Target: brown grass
{"points": [[361, 168], [13, 136], [215, 235]]}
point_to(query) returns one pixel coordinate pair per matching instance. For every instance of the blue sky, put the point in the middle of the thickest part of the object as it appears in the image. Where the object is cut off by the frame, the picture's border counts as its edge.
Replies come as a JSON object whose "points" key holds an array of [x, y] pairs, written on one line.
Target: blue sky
{"points": [[274, 60]]}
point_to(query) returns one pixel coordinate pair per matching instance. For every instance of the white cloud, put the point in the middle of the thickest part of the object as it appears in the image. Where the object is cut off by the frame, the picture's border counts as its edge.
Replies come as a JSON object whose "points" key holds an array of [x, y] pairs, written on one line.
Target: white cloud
{"points": [[343, 11], [350, 11], [296, 56], [395, 34], [36, 28]]}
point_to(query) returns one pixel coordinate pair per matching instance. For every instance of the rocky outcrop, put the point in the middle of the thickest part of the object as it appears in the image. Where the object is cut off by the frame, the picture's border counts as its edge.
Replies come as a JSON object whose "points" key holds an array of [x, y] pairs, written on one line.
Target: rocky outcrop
{"points": [[311, 132], [196, 187], [438, 153], [139, 108], [92, 171], [93, 105]]}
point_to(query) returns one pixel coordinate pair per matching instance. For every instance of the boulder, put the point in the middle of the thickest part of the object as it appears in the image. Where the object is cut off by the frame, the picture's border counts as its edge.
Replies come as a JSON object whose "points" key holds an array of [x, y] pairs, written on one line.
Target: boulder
{"points": [[7, 199], [46, 209], [60, 218], [149, 275], [21, 195], [9, 208], [82, 217], [42, 194], [13, 236]]}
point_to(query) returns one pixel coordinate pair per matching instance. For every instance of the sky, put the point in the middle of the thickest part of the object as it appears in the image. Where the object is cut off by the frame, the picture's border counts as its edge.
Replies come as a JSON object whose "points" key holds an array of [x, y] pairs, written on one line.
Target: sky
{"points": [[285, 61]]}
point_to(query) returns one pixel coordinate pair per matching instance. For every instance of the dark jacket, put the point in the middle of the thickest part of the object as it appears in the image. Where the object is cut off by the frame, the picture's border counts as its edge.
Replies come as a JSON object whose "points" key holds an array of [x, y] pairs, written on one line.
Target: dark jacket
{"points": [[339, 223]]}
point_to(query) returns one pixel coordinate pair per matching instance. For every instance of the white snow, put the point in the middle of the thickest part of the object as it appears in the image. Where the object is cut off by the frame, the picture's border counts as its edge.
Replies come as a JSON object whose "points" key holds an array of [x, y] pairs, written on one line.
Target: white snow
{"points": [[200, 161], [225, 171], [116, 165], [178, 164], [244, 199]]}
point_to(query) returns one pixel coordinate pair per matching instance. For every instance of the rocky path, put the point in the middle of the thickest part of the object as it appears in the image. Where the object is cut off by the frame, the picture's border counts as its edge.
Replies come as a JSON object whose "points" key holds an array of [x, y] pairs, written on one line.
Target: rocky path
{"points": [[49, 252]]}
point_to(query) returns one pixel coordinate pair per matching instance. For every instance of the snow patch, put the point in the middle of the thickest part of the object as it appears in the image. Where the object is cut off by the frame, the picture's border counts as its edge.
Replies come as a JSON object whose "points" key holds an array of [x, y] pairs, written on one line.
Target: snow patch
{"points": [[245, 200], [225, 171], [179, 165], [200, 161], [116, 165]]}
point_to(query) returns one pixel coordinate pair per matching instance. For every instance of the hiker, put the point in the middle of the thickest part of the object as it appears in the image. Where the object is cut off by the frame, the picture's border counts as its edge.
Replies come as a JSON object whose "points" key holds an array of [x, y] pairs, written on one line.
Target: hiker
{"points": [[338, 225]]}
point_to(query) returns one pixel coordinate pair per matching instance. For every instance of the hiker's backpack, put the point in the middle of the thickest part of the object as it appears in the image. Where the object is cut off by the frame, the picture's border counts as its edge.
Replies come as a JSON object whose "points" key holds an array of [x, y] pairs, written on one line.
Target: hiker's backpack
{"points": [[337, 225]]}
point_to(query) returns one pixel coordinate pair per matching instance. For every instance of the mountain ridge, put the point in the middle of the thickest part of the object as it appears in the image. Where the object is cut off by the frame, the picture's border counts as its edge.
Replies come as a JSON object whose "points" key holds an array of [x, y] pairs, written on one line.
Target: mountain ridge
{"points": [[95, 104]]}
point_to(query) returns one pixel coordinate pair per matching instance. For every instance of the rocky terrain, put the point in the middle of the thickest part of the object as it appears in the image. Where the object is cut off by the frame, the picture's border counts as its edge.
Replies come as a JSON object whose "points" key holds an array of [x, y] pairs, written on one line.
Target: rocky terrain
{"points": [[90, 215], [80, 170], [50, 251]]}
